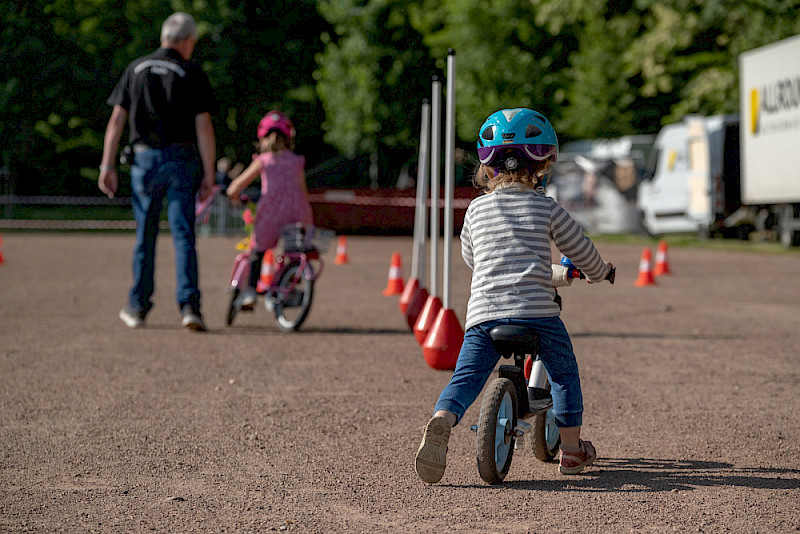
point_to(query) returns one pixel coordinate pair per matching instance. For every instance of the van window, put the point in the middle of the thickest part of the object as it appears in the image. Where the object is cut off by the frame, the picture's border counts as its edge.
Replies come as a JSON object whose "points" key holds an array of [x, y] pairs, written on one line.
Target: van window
{"points": [[652, 163]]}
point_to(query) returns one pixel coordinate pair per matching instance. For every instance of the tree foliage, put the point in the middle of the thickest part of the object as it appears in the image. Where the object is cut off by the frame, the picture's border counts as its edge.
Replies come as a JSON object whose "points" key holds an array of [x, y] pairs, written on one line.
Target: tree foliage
{"points": [[372, 76], [62, 58], [352, 73]]}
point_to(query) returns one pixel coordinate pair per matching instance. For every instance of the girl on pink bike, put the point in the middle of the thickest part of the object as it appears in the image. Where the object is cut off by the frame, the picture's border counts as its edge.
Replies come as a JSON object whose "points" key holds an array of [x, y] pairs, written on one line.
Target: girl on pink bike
{"points": [[284, 194]]}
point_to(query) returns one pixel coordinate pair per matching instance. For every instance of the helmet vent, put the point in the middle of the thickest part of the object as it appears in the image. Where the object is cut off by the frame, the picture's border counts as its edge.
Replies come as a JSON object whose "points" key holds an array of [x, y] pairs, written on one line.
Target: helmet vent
{"points": [[532, 131], [488, 133]]}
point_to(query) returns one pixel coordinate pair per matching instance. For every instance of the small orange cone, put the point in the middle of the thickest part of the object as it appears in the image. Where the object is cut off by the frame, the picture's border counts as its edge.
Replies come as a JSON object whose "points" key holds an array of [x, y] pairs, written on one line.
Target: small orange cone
{"points": [[662, 265], [268, 268], [2, 261], [645, 272], [395, 284], [341, 251]]}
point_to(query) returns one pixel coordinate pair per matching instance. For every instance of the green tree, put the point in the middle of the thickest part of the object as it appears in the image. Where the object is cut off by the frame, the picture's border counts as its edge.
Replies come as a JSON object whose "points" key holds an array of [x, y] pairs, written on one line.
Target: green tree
{"points": [[371, 78], [505, 58], [61, 59], [689, 49]]}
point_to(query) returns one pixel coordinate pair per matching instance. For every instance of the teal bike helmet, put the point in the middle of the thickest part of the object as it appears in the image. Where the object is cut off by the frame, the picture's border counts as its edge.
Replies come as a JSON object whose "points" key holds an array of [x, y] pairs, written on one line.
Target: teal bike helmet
{"points": [[512, 139]]}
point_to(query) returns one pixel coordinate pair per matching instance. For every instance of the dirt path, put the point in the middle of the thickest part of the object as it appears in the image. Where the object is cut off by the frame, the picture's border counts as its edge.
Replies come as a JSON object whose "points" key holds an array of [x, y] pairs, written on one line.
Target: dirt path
{"points": [[691, 393]]}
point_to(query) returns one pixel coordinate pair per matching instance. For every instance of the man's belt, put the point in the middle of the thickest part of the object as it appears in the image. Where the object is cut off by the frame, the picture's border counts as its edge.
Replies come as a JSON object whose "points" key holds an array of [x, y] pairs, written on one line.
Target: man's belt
{"points": [[141, 147]]}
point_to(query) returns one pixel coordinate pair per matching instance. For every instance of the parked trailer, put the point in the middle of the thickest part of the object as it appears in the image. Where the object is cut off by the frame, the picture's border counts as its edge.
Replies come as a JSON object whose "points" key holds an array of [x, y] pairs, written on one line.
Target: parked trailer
{"points": [[770, 105], [737, 173]]}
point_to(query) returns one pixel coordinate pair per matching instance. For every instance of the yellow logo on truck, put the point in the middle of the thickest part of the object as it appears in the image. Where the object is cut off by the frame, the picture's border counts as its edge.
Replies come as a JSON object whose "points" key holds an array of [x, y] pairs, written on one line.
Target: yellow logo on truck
{"points": [[753, 111]]}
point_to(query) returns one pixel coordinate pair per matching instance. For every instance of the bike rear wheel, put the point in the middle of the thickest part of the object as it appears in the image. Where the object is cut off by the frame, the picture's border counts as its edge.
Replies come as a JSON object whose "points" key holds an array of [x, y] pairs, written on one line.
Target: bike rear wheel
{"points": [[293, 299], [545, 438], [496, 424]]}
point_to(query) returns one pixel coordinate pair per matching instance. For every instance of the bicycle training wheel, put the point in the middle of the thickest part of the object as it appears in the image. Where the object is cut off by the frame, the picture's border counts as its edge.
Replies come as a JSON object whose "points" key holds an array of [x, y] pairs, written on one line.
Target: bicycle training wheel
{"points": [[498, 418], [232, 307], [545, 438], [293, 300]]}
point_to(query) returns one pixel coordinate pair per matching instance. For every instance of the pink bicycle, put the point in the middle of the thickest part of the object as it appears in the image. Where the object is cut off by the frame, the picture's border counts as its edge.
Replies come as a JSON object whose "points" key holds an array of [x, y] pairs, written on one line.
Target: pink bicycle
{"points": [[296, 268]]}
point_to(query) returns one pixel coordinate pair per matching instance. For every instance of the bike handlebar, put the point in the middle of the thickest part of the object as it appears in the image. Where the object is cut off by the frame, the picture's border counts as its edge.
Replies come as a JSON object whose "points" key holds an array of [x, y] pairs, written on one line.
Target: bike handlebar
{"points": [[612, 274], [577, 273]]}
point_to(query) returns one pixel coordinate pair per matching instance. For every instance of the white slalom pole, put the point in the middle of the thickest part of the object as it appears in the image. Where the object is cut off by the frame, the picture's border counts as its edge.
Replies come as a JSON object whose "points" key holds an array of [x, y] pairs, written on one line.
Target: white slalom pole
{"points": [[436, 125], [421, 215], [449, 173]]}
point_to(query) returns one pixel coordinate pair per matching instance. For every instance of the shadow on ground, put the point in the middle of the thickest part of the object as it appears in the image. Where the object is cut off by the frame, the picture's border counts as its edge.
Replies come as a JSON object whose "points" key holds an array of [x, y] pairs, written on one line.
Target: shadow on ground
{"points": [[635, 475]]}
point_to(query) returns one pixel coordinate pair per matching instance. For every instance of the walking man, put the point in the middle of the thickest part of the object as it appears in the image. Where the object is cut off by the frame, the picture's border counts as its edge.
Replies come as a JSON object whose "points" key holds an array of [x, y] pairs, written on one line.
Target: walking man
{"points": [[168, 100]]}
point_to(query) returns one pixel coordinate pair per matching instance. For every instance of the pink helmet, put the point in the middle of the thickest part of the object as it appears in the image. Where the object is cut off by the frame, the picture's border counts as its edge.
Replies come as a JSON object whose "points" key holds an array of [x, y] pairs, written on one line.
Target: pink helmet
{"points": [[275, 120]]}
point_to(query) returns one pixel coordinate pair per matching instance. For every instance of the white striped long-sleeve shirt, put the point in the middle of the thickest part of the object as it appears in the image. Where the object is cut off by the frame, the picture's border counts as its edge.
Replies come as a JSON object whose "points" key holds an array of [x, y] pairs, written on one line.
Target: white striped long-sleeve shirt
{"points": [[505, 240]]}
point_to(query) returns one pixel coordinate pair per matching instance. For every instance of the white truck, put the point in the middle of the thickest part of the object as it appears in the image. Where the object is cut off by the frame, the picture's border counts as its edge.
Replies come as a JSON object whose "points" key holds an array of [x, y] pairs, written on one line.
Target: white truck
{"points": [[737, 173]]}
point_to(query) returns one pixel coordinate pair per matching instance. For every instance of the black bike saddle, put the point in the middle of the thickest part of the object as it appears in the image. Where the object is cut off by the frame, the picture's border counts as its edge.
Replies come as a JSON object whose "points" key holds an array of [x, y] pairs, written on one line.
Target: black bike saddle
{"points": [[515, 339]]}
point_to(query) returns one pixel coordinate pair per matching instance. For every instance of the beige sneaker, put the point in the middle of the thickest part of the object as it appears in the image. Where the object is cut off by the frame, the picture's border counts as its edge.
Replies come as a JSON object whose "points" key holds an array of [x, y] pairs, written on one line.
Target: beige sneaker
{"points": [[431, 457]]}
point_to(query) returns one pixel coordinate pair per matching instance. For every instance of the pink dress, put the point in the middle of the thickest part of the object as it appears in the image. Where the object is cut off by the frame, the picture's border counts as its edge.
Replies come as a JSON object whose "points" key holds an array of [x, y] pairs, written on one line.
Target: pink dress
{"points": [[282, 199]]}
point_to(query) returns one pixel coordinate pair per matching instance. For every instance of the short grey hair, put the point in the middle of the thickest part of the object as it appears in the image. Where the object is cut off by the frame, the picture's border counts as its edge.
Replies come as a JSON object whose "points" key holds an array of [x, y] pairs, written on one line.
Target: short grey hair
{"points": [[177, 27]]}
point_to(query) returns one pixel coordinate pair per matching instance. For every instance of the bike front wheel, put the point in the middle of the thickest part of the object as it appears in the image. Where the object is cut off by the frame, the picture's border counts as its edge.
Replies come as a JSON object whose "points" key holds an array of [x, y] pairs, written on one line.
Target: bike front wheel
{"points": [[292, 300], [496, 424], [232, 307]]}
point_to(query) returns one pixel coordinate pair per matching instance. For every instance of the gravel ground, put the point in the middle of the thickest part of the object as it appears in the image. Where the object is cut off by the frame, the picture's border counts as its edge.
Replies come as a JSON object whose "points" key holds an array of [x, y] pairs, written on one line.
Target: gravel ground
{"points": [[690, 386]]}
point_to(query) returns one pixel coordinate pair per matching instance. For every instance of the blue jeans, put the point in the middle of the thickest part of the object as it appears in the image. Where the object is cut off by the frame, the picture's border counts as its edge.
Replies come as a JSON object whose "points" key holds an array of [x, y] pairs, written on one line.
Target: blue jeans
{"points": [[478, 358], [174, 172]]}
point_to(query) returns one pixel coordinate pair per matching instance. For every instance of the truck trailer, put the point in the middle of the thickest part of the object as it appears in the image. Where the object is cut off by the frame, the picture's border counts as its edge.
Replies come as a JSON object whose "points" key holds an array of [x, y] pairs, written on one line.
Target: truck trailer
{"points": [[736, 173]]}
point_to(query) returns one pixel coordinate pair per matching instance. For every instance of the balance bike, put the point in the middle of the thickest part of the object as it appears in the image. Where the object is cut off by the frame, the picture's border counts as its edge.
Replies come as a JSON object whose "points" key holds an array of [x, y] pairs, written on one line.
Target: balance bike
{"points": [[509, 399]]}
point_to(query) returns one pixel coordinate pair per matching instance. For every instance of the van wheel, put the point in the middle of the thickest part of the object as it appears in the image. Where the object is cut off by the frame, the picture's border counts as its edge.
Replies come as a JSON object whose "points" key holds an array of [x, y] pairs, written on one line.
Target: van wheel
{"points": [[641, 227], [790, 238], [743, 231]]}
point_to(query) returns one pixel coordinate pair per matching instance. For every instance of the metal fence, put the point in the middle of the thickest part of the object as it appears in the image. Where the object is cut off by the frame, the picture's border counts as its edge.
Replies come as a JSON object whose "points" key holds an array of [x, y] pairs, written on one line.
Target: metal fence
{"points": [[220, 217]]}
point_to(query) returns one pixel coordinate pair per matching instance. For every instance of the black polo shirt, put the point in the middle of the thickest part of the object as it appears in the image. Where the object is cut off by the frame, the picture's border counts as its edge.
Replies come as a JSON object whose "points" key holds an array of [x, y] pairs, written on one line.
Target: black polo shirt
{"points": [[163, 93]]}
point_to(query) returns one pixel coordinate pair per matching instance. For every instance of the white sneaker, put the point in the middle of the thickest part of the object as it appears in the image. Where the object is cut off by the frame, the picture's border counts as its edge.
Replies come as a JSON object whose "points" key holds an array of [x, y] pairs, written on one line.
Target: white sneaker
{"points": [[247, 300], [132, 318], [192, 319]]}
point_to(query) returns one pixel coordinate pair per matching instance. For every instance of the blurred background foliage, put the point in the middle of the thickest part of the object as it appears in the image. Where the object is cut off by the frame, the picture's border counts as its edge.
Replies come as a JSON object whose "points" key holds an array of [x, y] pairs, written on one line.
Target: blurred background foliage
{"points": [[352, 73]]}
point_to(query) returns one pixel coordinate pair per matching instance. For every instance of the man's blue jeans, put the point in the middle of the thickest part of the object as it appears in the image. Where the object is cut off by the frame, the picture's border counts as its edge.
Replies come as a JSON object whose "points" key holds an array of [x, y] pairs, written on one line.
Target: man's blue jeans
{"points": [[478, 358], [174, 172]]}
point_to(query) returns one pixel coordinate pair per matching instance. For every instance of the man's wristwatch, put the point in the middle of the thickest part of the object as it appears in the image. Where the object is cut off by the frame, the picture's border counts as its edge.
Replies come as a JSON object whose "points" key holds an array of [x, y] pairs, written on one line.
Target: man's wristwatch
{"points": [[106, 168]]}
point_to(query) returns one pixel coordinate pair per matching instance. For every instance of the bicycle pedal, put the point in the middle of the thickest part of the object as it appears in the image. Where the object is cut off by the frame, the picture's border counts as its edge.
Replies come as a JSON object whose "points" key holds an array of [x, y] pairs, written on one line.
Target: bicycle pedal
{"points": [[522, 428]]}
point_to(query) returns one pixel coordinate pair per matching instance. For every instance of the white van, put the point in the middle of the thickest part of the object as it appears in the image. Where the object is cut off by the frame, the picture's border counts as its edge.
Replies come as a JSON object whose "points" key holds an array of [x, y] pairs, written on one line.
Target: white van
{"points": [[692, 181]]}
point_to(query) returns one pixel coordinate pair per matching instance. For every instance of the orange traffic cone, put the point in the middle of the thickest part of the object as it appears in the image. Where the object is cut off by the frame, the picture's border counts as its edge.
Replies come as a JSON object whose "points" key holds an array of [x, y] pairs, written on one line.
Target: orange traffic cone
{"points": [[268, 268], [341, 251], [395, 284], [662, 265], [1, 251], [645, 272]]}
